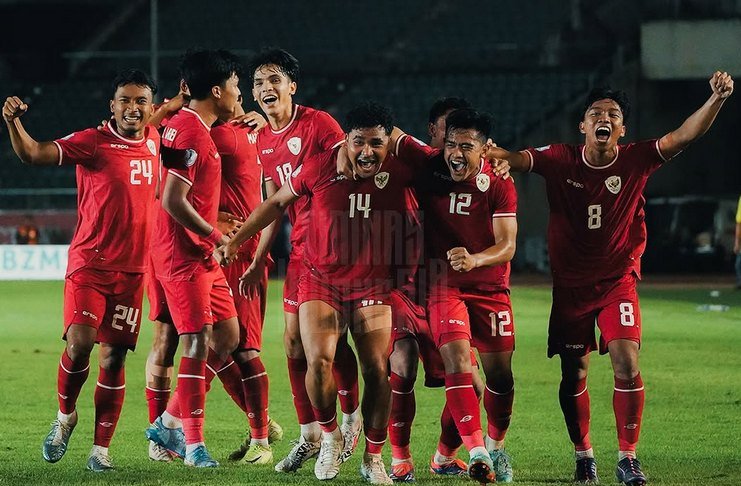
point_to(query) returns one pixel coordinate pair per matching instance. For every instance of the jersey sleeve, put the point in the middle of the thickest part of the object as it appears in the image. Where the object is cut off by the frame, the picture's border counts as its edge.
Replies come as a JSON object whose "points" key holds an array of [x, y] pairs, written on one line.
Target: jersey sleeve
{"points": [[546, 160], [413, 151], [225, 139], [503, 198], [327, 130], [78, 147], [645, 154], [196, 150]]}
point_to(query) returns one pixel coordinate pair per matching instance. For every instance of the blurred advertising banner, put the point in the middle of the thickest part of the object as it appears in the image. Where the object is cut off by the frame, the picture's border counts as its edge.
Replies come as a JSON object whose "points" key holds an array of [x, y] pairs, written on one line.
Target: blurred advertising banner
{"points": [[33, 262]]}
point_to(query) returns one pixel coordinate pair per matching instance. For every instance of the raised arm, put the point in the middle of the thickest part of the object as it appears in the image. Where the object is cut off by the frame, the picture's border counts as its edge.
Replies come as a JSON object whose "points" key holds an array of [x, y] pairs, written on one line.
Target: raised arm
{"points": [[518, 161], [269, 211], [502, 251], [700, 121], [28, 150]]}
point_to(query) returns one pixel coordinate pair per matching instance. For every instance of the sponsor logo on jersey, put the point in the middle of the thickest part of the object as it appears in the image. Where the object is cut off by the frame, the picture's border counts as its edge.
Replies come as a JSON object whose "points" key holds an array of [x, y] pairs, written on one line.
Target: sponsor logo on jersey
{"points": [[151, 146], [578, 185], [294, 145], [613, 183], [456, 321], [543, 148], [573, 346], [483, 181], [119, 146], [381, 179], [90, 315], [190, 157], [267, 151]]}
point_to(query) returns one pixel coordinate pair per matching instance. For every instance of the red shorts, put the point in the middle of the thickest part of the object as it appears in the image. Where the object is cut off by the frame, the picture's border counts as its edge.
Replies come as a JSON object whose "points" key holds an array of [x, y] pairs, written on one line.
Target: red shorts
{"points": [[295, 269], [158, 310], [111, 302], [343, 300], [203, 299], [610, 304], [482, 317], [250, 312], [410, 321]]}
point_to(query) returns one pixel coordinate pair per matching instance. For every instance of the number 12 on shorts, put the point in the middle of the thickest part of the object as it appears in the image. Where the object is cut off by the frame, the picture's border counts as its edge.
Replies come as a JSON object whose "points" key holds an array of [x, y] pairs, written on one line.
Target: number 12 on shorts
{"points": [[501, 323]]}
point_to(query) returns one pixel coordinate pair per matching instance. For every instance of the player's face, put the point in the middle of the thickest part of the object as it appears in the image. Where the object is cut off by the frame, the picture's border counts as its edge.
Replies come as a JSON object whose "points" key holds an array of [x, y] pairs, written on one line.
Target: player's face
{"points": [[603, 124], [272, 89], [229, 97], [367, 148], [132, 107], [463, 151], [437, 131]]}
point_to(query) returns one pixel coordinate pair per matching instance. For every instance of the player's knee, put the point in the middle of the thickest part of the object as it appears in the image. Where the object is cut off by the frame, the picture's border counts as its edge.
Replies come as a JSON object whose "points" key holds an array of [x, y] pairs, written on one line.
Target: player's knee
{"points": [[320, 364], [626, 370], [112, 357], [293, 345], [374, 369], [163, 350], [79, 350]]}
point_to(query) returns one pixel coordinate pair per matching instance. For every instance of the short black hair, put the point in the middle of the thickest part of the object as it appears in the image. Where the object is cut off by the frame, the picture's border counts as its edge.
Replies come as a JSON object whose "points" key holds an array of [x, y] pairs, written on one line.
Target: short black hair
{"points": [[607, 93], [369, 114], [134, 76], [444, 105], [202, 69], [468, 118], [281, 58]]}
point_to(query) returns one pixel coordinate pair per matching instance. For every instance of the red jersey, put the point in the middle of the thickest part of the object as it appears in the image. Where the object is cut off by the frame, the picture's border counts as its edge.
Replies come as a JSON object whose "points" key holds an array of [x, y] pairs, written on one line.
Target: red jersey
{"points": [[178, 252], [281, 152], [596, 229], [116, 179], [355, 224], [461, 214], [241, 173]]}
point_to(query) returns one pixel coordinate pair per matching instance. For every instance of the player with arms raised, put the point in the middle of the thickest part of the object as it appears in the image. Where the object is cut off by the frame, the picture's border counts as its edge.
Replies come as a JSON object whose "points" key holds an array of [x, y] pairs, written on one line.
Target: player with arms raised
{"points": [[104, 284], [596, 236]]}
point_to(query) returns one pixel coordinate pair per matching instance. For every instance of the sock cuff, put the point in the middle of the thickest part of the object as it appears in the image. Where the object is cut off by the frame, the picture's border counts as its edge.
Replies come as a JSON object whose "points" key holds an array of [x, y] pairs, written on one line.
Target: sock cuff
{"points": [[295, 364], [191, 367], [634, 384], [375, 436], [252, 367], [111, 378], [401, 385], [70, 367], [458, 380]]}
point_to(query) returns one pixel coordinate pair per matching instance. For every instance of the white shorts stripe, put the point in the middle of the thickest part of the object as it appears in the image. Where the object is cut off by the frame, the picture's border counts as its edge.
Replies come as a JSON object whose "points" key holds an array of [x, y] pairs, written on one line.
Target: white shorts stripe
{"points": [[110, 387]]}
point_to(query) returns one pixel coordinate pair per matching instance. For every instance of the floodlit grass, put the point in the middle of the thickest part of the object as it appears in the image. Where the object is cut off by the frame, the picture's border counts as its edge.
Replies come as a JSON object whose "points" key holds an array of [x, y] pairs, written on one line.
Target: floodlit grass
{"points": [[690, 363]]}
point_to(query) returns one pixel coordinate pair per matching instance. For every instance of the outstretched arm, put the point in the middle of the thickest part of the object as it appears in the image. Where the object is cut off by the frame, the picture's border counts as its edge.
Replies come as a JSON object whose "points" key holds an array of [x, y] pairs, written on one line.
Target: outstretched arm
{"points": [[28, 150], [700, 121], [267, 212], [518, 161]]}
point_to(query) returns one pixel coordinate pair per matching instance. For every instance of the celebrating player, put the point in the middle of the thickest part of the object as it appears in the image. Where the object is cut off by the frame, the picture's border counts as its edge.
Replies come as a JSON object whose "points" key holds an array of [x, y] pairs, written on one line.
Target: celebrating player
{"points": [[295, 133], [104, 284], [596, 236], [196, 291]]}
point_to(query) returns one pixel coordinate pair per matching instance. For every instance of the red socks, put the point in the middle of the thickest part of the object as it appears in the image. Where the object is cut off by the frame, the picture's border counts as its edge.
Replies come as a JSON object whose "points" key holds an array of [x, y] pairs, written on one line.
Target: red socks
{"points": [[627, 402], [327, 418], [403, 408], [464, 407], [374, 440], [191, 395], [231, 378], [109, 397], [498, 406], [156, 402], [345, 373], [255, 392], [70, 378], [450, 438], [297, 375], [574, 399]]}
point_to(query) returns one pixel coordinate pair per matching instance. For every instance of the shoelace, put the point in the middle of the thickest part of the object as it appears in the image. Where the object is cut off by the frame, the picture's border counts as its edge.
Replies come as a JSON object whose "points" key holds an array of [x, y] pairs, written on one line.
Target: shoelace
{"points": [[327, 453], [103, 460], [62, 430], [376, 468]]}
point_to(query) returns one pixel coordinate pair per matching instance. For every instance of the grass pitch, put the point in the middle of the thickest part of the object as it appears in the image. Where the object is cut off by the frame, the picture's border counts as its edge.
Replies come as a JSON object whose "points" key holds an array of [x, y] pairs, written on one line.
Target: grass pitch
{"points": [[690, 362]]}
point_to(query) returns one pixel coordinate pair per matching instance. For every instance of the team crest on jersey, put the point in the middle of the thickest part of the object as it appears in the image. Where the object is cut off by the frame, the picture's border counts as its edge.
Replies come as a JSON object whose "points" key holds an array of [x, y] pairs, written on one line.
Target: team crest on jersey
{"points": [[190, 157], [381, 179], [294, 145], [483, 181], [613, 184], [151, 146]]}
